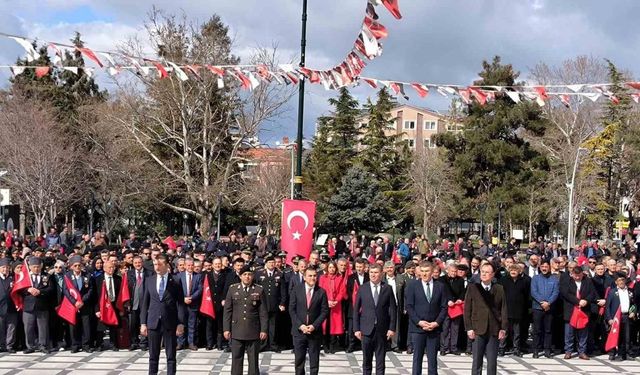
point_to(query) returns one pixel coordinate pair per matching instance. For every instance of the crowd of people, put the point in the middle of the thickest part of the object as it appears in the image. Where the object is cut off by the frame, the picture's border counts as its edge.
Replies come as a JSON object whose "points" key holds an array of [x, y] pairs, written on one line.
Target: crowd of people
{"points": [[239, 295]]}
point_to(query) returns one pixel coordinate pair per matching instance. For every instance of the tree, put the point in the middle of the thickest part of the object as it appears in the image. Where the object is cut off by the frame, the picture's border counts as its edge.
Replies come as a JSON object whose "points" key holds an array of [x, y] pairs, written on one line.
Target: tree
{"points": [[490, 159], [193, 130], [357, 205], [432, 188], [607, 159], [41, 171], [263, 189], [386, 156]]}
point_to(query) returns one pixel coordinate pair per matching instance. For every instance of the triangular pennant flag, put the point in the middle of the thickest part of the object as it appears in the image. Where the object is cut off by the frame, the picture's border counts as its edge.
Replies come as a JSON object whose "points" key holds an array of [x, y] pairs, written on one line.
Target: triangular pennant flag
{"points": [[465, 94], [337, 78], [254, 81], [542, 92], [215, 70], [162, 71], [42, 71], [636, 97], [422, 90], [565, 100], [57, 55], [139, 68], [371, 11], [575, 88], [90, 55], [113, 71], [244, 80], [72, 69], [393, 7], [614, 99], [109, 58], [88, 71], [288, 68], [371, 45], [634, 85], [293, 78], [371, 82], [376, 28], [441, 90], [220, 82], [514, 95], [194, 70], [31, 52], [480, 96], [17, 70], [264, 73], [401, 88], [179, 72], [593, 96], [325, 79]]}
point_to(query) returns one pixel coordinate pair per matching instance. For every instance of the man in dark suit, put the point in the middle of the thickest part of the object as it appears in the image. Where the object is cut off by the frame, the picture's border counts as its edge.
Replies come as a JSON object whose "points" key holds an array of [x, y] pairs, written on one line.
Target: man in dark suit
{"points": [[272, 281], [621, 297], [354, 282], [83, 282], [297, 278], [375, 319], [426, 304], [8, 312], [578, 291], [485, 319], [35, 316], [308, 308], [191, 284], [245, 321], [233, 276], [159, 318], [112, 283], [136, 278], [397, 284]]}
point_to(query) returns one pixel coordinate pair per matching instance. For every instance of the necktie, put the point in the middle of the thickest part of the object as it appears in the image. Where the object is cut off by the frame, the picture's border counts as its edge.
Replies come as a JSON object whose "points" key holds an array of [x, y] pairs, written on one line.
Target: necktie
{"points": [[375, 295], [428, 292], [188, 284], [33, 280], [246, 289], [79, 282], [308, 298], [486, 288], [161, 288], [139, 278], [110, 288]]}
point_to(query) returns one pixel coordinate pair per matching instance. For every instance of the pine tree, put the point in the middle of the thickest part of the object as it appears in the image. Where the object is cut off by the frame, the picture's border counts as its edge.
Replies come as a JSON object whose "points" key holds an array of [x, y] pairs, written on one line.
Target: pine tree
{"points": [[386, 156], [492, 163], [334, 150]]}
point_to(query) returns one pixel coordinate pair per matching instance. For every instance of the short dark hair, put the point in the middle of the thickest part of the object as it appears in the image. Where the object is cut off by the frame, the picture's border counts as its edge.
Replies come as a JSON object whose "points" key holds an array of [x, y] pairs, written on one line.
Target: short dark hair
{"points": [[493, 268], [162, 257], [375, 266], [238, 260], [312, 269]]}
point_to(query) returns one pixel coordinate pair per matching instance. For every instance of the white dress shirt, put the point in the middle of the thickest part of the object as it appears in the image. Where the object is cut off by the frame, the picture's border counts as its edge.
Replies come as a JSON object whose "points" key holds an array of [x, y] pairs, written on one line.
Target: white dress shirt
{"points": [[429, 286], [485, 286], [392, 283], [624, 300], [158, 279], [373, 288]]}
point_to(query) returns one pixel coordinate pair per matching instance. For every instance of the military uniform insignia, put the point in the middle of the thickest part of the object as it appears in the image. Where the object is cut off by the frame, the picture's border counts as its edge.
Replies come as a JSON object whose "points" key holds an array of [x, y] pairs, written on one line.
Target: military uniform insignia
{"points": [[45, 280]]}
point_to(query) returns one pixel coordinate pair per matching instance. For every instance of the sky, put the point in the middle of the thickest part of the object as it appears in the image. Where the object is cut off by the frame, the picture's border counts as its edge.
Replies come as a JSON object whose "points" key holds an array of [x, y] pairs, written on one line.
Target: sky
{"points": [[437, 41]]}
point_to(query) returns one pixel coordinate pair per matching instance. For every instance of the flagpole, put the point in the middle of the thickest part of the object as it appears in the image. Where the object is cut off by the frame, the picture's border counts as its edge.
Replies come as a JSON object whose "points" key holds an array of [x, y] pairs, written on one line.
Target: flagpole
{"points": [[297, 180]]}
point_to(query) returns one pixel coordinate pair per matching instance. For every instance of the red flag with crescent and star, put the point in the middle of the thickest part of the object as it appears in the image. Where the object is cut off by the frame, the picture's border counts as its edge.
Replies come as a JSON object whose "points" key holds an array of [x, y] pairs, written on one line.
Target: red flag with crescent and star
{"points": [[206, 307], [66, 310], [298, 218], [614, 332], [21, 281], [107, 314]]}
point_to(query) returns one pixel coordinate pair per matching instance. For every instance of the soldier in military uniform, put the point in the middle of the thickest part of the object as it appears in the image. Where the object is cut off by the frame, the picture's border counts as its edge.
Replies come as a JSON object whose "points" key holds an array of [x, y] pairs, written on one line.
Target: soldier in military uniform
{"points": [[272, 280], [245, 321]]}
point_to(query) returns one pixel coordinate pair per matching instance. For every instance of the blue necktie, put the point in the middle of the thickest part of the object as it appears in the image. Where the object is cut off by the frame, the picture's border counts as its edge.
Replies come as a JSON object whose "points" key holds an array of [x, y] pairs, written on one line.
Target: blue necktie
{"points": [[161, 288]]}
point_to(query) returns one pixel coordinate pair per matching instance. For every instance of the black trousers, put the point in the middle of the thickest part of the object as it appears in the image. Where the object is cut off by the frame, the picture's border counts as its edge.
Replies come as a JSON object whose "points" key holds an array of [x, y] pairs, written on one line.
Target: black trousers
{"points": [[134, 330], [425, 342], [624, 340], [514, 333], [238, 348], [485, 345], [542, 336], [81, 332], [156, 338], [449, 334], [303, 344], [270, 342], [376, 343]]}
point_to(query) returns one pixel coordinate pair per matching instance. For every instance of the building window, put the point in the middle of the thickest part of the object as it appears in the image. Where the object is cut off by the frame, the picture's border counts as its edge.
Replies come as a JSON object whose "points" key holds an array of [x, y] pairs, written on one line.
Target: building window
{"points": [[430, 125], [410, 125], [412, 143], [429, 144]]}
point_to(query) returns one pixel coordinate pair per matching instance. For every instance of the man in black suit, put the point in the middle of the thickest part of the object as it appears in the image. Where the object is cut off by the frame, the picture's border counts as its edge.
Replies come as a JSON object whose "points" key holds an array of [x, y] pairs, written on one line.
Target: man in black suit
{"points": [[159, 318], [8, 312], [578, 291], [135, 281], [82, 281], [272, 281], [426, 304], [354, 282], [35, 314], [213, 329], [112, 283], [308, 308], [374, 319]]}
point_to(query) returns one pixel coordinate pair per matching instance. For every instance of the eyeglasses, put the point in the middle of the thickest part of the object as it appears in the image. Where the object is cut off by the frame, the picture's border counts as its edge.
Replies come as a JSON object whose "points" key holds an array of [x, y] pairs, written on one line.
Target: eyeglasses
{"points": [[591, 262]]}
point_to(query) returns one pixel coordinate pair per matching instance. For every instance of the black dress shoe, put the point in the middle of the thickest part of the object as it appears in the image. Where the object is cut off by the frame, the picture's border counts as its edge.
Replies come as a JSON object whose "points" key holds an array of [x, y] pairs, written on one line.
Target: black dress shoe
{"points": [[28, 351], [144, 348], [536, 355], [548, 354], [209, 348], [612, 357], [179, 347], [397, 350], [133, 347], [44, 350], [409, 351], [74, 350], [11, 351], [87, 349], [443, 352], [349, 350]]}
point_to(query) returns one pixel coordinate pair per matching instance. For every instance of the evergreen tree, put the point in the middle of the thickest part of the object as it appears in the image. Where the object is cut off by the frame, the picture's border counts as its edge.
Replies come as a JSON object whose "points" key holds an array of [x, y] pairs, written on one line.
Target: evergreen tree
{"points": [[386, 156], [492, 163], [334, 150], [357, 204]]}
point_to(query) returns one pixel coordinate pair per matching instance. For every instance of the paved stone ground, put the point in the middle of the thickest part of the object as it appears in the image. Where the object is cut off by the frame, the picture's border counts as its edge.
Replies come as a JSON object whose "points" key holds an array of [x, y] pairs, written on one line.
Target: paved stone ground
{"points": [[214, 362]]}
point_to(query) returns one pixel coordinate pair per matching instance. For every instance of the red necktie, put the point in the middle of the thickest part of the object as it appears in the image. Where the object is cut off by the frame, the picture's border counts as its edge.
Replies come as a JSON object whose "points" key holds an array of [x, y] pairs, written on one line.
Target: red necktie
{"points": [[139, 278], [308, 298]]}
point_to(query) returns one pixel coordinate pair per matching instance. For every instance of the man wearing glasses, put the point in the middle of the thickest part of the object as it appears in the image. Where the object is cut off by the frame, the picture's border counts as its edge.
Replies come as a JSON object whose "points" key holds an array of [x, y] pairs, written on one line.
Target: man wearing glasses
{"points": [[83, 284]]}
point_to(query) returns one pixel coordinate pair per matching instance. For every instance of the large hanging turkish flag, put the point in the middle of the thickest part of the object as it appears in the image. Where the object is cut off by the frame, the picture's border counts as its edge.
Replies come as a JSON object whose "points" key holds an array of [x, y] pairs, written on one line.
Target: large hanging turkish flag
{"points": [[298, 218]]}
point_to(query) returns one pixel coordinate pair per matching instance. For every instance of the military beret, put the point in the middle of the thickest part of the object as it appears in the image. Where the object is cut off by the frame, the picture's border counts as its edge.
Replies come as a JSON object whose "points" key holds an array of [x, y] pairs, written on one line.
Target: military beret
{"points": [[34, 261], [245, 269], [4, 262], [75, 259]]}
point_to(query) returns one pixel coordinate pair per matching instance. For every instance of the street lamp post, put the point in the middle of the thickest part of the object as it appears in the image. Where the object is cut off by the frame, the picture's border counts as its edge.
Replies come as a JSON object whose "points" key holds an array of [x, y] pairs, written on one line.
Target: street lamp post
{"points": [[500, 222], [303, 43], [571, 187]]}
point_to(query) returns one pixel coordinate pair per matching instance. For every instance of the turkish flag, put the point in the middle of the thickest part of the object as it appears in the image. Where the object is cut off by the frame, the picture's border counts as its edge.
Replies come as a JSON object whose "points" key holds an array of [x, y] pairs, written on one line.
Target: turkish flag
{"points": [[124, 296], [601, 308], [206, 307], [395, 258], [107, 313], [21, 281], [614, 332], [298, 218], [456, 310], [67, 310], [579, 319]]}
